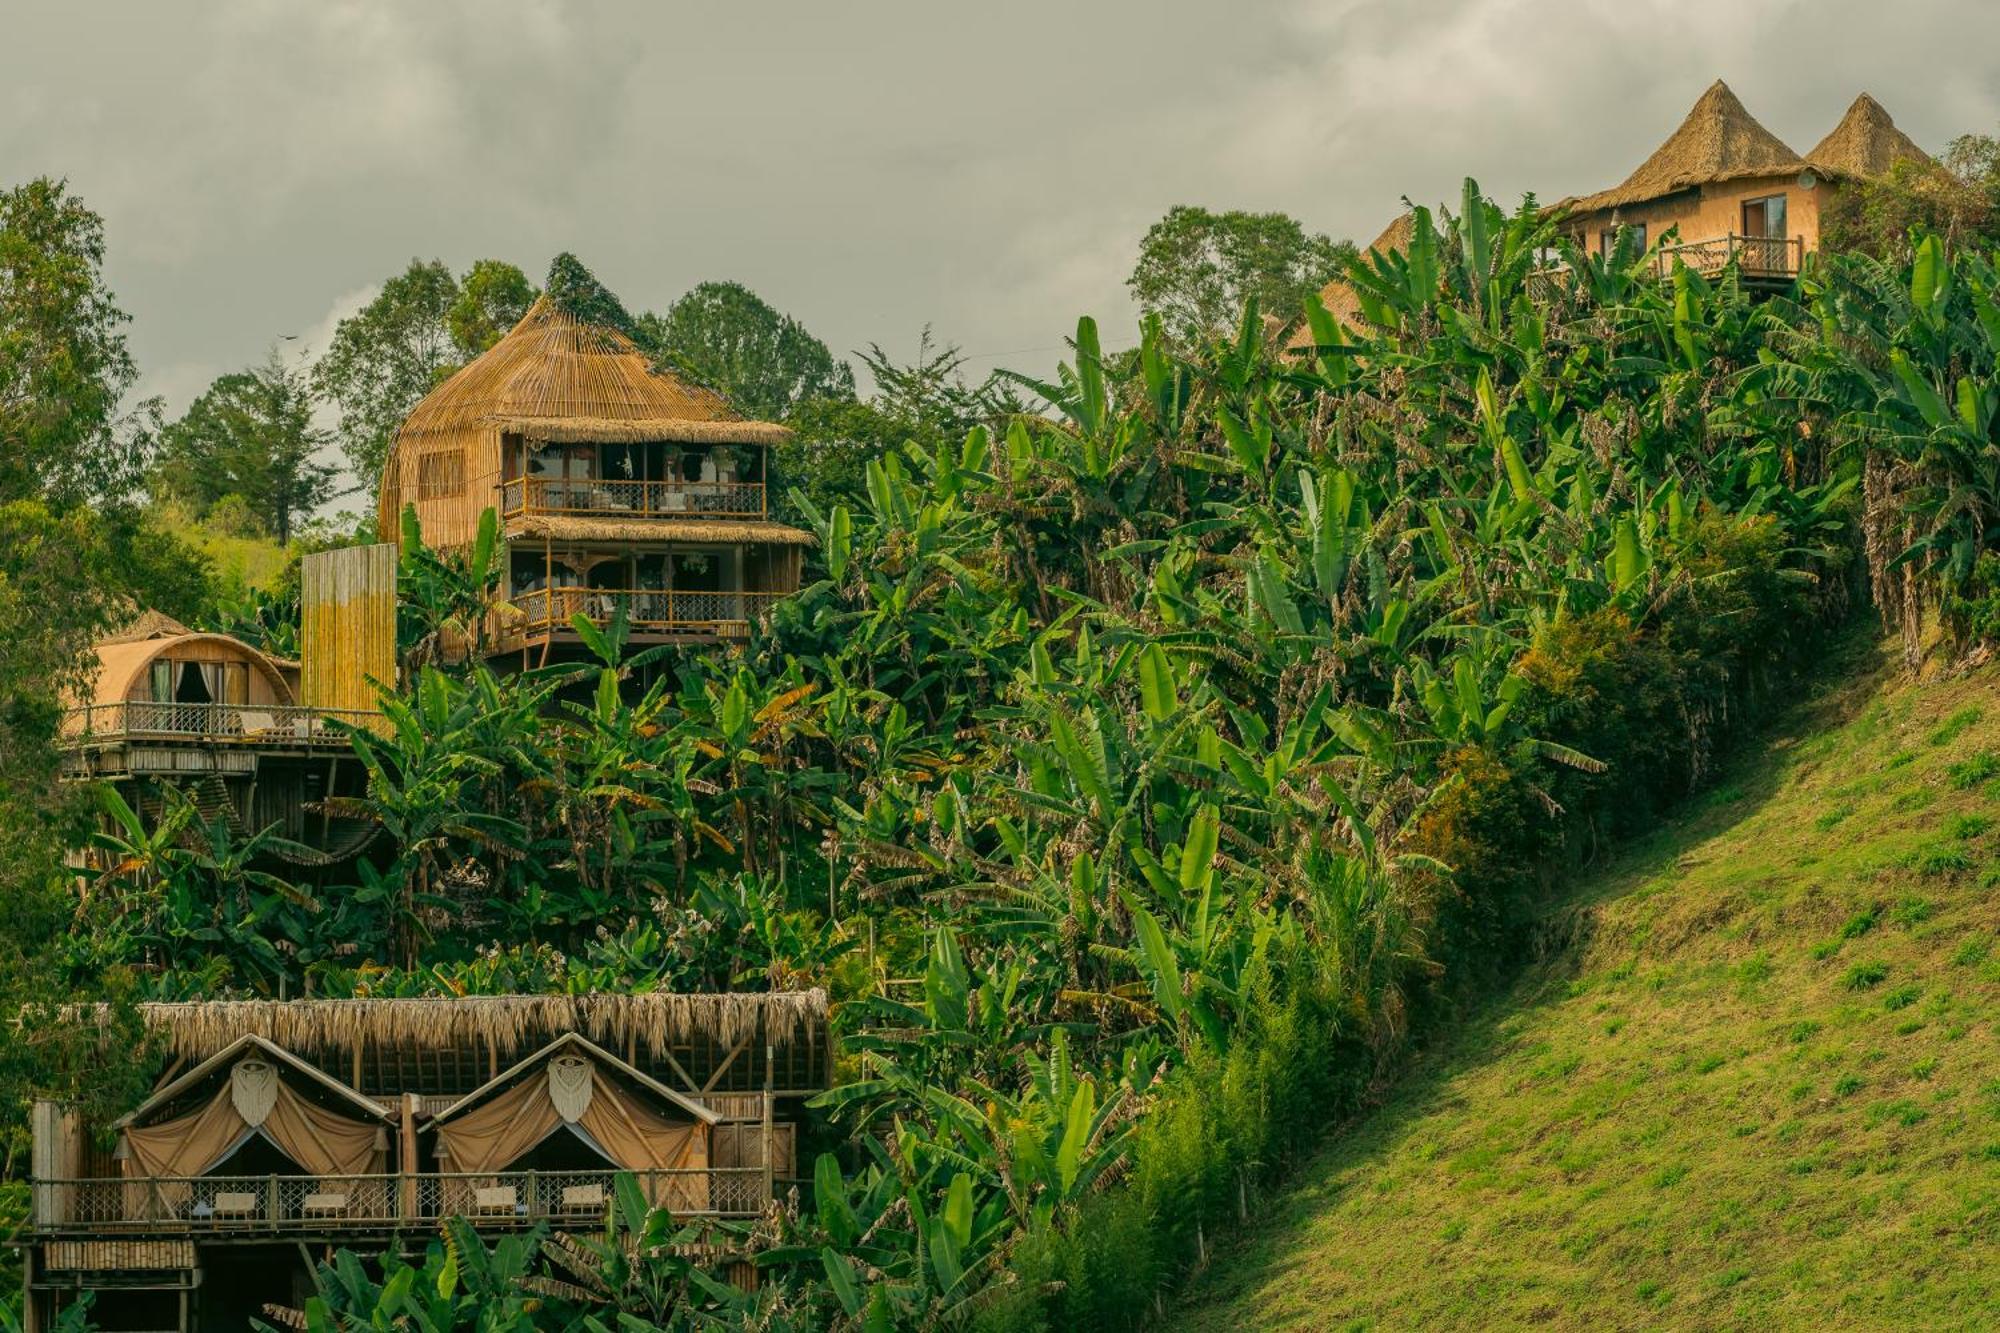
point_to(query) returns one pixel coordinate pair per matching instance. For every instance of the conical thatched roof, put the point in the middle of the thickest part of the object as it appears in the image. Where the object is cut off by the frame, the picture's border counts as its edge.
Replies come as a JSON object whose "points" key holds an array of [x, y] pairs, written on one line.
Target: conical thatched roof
{"points": [[1339, 297], [555, 368], [1719, 141], [1866, 144]]}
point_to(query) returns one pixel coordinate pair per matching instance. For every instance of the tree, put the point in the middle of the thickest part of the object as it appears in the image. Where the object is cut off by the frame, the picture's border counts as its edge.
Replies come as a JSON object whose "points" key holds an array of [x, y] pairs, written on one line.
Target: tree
{"points": [[492, 297], [725, 336], [925, 402], [64, 366], [1197, 268], [424, 325], [251, 434]]}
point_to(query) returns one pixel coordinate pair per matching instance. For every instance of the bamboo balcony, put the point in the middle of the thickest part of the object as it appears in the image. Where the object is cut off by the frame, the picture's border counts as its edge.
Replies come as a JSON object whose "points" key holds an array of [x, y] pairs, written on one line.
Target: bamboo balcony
{"points": [[550, 610], [235, 724], [632, 499], [173, 1206], [1754, 256]]}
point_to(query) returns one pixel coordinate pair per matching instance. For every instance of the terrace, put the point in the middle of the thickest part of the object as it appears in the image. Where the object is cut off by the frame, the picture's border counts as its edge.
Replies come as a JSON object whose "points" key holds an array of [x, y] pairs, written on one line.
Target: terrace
{"points": [[243, 1206], [120, 736]]}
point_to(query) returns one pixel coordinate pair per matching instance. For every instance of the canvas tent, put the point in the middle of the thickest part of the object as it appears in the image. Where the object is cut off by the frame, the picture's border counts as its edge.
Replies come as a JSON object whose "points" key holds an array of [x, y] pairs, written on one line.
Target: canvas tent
{"points": [[259, 1088], [628, 1119]]}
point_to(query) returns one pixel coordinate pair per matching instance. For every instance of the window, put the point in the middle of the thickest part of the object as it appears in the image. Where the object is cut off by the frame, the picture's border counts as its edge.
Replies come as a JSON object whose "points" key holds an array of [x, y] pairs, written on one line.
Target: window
{"points": [[440, 475], [1608, 239], [1764, 217]]}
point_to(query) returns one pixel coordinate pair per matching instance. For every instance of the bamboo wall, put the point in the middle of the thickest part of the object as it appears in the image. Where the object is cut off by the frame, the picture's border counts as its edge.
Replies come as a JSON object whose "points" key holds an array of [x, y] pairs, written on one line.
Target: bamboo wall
{"points": [[348, 631]]}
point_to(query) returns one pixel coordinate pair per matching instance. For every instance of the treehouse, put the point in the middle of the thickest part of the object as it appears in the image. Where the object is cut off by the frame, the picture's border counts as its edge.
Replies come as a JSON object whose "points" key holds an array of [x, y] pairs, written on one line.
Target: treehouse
{"points": [[619, 487], [278, 1129], [222, 724], [255, 741]]}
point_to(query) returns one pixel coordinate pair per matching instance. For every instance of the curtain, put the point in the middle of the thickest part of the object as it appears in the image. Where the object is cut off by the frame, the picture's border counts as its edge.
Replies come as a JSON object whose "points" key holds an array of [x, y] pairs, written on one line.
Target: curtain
{"points": [[633, 1135], [321, 1141]]}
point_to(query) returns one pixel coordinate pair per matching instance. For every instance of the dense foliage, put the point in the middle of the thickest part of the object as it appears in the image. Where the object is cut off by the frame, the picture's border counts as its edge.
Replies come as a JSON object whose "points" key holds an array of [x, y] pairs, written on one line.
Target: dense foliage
{"points": [[1181, 748]]}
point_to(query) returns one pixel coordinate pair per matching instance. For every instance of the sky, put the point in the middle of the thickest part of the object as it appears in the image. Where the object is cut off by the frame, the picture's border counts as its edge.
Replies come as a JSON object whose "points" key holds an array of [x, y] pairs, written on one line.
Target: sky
{"points": [[869, 167]]}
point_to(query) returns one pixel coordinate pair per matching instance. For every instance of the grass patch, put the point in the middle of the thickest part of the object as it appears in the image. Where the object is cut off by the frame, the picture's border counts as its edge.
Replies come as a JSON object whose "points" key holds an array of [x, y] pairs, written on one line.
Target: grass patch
{"points": [[1969, 773], [1955, 726]]}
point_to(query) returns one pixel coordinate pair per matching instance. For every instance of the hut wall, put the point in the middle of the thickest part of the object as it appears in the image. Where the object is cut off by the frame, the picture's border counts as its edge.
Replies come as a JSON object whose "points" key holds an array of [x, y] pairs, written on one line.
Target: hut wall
{"points": [[348, 631], [1710, 212], [451, 477], [773, 568]]}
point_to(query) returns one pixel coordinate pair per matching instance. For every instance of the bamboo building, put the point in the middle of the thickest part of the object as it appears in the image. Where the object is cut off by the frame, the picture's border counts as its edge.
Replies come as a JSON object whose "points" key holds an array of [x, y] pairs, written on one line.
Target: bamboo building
{"points": [[1722, 191], [277, 1131], [618, 486], [254, 741]]}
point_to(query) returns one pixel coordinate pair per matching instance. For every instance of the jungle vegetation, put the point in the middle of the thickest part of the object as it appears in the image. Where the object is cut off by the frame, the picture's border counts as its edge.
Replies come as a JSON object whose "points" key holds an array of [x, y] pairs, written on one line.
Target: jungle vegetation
{"points": [[1192, 728]]}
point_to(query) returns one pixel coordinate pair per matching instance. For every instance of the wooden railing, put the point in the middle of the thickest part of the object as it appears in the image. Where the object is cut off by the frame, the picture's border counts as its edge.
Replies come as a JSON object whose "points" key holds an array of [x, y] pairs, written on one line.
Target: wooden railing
{"points": [[630, 499], [553, 608], [177, 1205], [1754, 256], [251, 724]]}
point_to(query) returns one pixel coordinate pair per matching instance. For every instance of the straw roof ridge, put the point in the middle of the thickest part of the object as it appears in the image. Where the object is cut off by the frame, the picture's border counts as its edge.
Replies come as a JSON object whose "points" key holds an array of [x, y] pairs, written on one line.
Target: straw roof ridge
{"points": [[641, 430], [654, 1021], [1719, 140], [564, 528], [148, 624], [1866, 144], [554, 368]]}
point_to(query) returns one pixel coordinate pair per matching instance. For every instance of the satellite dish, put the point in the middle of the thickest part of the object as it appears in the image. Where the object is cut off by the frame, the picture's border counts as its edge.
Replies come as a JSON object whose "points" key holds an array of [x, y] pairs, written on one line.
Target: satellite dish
{"points": [[1808, 179]]}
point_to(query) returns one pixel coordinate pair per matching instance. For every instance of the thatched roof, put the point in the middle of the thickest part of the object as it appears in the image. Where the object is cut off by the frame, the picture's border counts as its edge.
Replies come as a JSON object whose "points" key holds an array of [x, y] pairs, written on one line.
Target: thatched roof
{"points": [[652, 1022], [565, 528], [560, 377], [645, 430], [1339, 297], [1718, 141], [1866, 144], [147, 624]]}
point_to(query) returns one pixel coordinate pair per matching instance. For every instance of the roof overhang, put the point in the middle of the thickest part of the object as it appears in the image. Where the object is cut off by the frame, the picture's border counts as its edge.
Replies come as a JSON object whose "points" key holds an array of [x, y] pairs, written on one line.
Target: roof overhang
{"points": [[727, 532], [228, 1055], [595, 1052], [641, 430]]}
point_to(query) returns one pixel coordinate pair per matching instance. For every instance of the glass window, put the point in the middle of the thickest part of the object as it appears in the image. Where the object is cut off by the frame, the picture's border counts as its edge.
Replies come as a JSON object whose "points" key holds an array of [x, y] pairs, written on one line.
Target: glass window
{"points": [[1764, 217]]}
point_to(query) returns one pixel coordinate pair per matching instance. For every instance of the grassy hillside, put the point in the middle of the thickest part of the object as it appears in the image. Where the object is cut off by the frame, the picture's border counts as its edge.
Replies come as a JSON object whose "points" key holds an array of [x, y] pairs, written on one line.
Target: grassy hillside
{"points": [[1757, 1085]]}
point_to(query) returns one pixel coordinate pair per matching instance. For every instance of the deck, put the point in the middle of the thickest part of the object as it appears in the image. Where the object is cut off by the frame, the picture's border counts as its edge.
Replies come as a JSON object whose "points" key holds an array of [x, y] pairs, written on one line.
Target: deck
{"points": [[144, 736], [1770, 258], [167, 1208], [571, 498]]}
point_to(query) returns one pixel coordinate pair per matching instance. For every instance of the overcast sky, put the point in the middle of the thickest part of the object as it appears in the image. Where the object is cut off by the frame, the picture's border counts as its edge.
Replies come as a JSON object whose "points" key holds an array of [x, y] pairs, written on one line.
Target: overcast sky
{"points": [[868, 167]]}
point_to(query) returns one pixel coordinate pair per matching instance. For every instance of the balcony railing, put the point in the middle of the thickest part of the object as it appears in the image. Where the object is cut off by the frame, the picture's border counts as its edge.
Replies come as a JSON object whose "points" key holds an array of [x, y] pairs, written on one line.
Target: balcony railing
{"points": [[550, 609], [241, 724], [198, 1205], [1754, 256], [632, 499]]}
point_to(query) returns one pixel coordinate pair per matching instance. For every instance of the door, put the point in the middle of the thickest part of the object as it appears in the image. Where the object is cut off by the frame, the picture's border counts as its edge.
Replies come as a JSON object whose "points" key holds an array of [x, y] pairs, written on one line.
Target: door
{"points": [[1766, 247]]}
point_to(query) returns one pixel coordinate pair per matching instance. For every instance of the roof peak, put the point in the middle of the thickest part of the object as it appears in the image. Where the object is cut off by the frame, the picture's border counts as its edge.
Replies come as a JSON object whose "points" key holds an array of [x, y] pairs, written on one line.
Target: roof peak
{"points": [[1866, 143], [1718, 140]]}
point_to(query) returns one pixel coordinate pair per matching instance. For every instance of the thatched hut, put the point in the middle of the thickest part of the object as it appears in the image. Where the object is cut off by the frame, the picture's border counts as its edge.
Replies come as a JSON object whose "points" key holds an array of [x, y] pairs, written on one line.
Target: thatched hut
{"points": [[618, 484], [1730, 188]]}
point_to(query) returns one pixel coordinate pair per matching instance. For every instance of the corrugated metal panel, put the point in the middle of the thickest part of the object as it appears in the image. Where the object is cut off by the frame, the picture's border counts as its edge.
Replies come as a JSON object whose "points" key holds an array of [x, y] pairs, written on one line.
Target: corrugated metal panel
{"points": [[99, 1255], [348, 630]]}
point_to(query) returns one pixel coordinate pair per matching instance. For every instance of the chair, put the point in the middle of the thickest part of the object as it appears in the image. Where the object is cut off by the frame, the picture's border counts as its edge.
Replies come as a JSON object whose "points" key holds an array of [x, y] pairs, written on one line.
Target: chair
{"points": [[232, 1204], [323, 1205], [582, 1198], [255, 722], [491, 1199]]}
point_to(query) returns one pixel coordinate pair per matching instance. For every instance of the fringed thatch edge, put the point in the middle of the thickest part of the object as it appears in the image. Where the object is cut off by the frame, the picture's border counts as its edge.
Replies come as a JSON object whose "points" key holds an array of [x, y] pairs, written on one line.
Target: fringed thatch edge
{"points": [[654, 1022], [640, 430], [559, 528]]}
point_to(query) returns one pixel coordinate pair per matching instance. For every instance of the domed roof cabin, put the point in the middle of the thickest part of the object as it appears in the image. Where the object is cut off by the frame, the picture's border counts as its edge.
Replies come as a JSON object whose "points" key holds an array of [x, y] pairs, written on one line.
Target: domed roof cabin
{"points": [[617, 485]]}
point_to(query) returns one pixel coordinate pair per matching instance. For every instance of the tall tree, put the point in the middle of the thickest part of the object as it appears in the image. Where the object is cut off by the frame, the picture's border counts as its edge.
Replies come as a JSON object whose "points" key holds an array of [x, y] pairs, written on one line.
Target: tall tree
{"points": [[251, 434], [424, 325], [492, 297], [64, 367], [762, 360], [1197, 268]]}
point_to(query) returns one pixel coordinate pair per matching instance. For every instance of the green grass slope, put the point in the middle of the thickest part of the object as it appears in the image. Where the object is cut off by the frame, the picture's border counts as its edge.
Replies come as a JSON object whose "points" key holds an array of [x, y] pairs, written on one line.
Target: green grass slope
{"points": [[1757, 1085]]}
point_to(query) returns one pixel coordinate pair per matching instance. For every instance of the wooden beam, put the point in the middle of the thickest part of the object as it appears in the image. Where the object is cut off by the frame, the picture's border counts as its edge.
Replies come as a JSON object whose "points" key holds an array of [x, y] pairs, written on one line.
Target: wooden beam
{"points": [[727, 1061]]}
